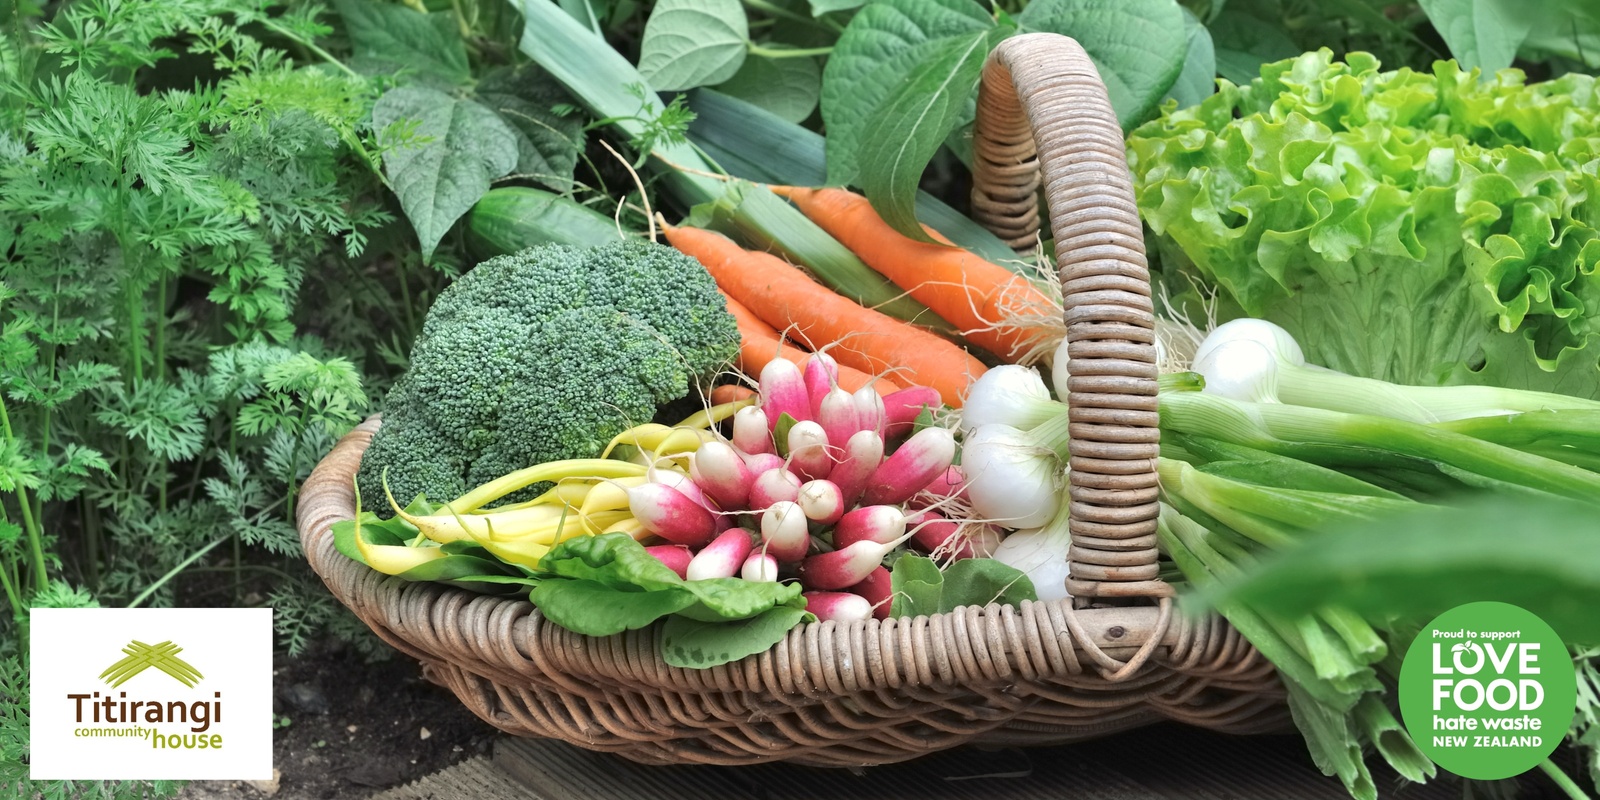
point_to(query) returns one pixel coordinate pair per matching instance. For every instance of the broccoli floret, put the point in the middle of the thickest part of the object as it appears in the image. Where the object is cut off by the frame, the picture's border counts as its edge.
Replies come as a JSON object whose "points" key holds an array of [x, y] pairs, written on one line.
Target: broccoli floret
{"points": [[543, 355]]}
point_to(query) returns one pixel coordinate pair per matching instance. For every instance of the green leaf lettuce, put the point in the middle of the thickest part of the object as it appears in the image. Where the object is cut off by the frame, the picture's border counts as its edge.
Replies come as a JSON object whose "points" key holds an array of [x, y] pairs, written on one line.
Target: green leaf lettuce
{"points": [[1419, 228]]}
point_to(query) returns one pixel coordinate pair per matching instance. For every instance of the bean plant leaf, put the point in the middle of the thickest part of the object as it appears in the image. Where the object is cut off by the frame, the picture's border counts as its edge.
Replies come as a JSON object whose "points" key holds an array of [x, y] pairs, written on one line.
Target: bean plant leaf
{"points": [[700, 645], [1244, 42], [1198, 80], [820, 7], [1420, 563], [1481, 33], [399, 37], [547, 143], [1138, 46], [690, 43], [788, 87], [914, 121], [455, 149], [885, 44]]}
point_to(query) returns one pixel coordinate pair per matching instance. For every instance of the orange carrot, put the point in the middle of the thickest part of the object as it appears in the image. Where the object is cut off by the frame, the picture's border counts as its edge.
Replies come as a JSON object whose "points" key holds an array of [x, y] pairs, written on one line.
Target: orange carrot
{"points": [[760, 343], [975, 295], [724, 393], [861, 338]]}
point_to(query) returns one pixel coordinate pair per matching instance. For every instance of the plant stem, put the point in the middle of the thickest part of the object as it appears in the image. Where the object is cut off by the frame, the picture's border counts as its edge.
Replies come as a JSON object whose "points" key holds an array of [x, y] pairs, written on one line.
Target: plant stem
{"points": [[806, 52], [294, 460], [779, 11], [1561, 779], [29, 524], [161, 581], [312, 46], [160, 362], [17, 609]]}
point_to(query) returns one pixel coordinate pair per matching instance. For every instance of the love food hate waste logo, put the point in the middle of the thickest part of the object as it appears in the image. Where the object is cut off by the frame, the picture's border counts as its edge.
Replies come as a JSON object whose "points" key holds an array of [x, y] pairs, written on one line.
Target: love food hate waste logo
{"points": [[164, 710], [1487, 690]]}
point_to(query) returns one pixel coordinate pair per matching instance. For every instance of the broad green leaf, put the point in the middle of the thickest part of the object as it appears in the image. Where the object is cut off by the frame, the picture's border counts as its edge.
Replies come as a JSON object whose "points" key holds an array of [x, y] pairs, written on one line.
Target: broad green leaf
{"points": [[402, 38], [1511, 359], [884, 45], [457, 148], [788, 87], [981, 581], [1539, 555], [913, 122], [595, 609], [689, 43], [918, 587], [1138, 46], [1198, 80], [722, 599], [820, 7], [700, 645], [1481, 33], [612, 559], [547, 142], [1244, 42]]}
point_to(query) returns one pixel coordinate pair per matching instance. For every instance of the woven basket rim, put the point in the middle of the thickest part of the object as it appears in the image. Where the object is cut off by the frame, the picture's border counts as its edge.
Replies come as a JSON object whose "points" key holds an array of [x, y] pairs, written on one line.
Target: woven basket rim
{"points": [[1117, 633]]}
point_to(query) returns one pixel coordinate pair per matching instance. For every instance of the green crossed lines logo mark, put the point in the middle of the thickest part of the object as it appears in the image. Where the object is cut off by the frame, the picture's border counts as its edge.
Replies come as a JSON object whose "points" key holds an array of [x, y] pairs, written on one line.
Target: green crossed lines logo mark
{"points": [[141, 656]]}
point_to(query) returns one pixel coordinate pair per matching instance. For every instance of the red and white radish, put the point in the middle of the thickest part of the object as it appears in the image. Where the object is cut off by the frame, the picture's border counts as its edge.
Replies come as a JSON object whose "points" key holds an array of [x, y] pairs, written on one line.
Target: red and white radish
{"points": [[838, 606], [837, 416], [722, 474], [821, 501], [783, 391], [950, 483], [950, 540], [675, 556], [869, 524], [773, 486], [759, 567], [902, 408], [862, 455], [723, 558], [761, 462], [903, 474], [784, 534], [752, 431], [672, 515], [821, 373], [844, 567], [878, 590], [870, 411], [808, 451]]}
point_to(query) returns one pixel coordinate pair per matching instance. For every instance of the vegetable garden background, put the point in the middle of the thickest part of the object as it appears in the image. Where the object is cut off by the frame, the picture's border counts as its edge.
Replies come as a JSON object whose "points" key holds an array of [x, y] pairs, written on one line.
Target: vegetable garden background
{"points": [[224, 224]]}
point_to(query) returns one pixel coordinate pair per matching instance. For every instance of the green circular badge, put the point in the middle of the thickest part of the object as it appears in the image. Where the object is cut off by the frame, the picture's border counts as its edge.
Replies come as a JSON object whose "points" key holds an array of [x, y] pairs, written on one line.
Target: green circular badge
{"points": [[1488, 690]]}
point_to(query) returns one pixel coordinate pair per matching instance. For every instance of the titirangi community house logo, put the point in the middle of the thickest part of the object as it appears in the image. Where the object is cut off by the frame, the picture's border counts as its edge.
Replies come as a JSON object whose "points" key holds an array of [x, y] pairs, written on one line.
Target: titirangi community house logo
{"points": [[150, 694], [120, 717], [141, 656]]}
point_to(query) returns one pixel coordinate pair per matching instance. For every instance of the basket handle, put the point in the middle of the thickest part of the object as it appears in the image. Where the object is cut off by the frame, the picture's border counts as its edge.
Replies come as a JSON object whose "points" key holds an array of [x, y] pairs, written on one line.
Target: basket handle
{"points": [[1042, 107]]}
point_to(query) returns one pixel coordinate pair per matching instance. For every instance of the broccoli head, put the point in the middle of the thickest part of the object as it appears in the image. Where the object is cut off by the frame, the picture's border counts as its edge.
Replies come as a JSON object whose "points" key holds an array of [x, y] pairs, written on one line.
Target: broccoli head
{"points": [[542, 355]]}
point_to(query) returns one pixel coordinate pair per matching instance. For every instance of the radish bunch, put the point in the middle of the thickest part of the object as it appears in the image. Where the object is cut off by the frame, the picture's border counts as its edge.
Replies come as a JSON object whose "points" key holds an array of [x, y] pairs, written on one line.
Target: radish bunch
{"points": [[815, 484]]}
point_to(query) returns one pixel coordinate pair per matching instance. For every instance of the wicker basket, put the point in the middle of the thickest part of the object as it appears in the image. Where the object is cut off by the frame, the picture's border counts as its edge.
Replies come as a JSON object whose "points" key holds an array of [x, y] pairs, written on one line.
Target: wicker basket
{"points": [[876, 692]]}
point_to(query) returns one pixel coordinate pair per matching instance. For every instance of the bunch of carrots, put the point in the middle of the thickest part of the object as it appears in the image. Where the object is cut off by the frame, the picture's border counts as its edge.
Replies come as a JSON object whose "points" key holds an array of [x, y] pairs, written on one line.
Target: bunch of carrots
{"points": [[781, 309]]}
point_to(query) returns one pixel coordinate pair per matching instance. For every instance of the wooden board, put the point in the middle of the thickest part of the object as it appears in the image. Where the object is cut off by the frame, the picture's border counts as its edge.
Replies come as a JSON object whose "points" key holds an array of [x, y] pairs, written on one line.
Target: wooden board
{"points": [[1157, 763]]}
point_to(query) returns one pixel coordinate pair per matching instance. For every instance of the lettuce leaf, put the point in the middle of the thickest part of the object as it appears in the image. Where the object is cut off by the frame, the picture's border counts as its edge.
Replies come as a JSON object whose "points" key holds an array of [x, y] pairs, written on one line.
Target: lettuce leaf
{"points": [[1419, 228]]}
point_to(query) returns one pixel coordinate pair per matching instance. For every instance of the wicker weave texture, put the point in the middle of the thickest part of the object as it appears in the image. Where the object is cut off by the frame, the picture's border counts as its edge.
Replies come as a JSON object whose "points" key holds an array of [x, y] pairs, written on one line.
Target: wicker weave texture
{"points": [[1043, 110], [876, 692], [865, 693]]}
